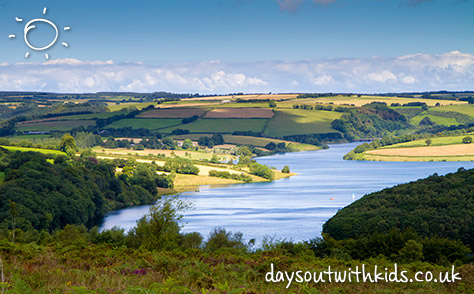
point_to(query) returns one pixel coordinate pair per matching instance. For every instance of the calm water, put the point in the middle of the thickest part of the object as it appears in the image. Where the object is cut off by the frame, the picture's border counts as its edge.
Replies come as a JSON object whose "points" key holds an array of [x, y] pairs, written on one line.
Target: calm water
{"points": [[294, 208]]}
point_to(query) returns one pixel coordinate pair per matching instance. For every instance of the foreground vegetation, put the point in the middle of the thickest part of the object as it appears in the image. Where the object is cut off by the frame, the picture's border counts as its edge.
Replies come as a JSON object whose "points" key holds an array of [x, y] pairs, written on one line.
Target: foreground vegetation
{"points": [[74, 261]]}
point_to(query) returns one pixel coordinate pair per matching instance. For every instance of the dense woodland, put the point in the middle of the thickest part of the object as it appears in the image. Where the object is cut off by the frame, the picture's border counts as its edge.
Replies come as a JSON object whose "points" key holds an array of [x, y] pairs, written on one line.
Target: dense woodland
{"points": [[438, 206], [45, 194]]}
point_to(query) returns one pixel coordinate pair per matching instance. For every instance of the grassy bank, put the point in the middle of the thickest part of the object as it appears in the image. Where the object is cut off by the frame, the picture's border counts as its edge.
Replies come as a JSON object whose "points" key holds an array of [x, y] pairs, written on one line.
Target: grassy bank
{"points": [[449, 148]]}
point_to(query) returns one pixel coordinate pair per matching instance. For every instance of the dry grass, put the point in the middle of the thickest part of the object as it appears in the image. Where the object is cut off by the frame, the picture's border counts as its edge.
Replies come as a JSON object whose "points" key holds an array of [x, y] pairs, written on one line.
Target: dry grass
{"points": [[240, 113], [169, 153], [279, 175], [194, 181], [428, 151], [171, 113]]}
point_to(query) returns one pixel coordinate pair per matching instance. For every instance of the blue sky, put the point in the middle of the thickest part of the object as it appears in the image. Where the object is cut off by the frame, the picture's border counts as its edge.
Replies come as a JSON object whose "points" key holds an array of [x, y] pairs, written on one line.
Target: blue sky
{"points": [[242, 45]]}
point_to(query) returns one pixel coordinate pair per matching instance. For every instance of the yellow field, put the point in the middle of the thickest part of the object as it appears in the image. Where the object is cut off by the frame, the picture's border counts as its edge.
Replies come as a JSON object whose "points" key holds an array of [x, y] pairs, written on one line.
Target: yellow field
{"points": [[372, 157], [182, 181], [359, 101], [247, 97], [428, 151], [143, 153]]}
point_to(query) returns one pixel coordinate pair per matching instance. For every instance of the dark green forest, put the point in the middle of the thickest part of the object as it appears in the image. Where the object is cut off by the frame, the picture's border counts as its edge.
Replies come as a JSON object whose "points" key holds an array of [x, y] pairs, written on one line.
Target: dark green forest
{"points": [[46, 194], [436, 207]]}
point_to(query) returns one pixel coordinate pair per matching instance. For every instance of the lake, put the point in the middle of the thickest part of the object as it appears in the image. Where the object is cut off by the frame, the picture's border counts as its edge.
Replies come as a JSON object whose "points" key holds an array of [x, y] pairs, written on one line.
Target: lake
{"points": [[294, 208]]}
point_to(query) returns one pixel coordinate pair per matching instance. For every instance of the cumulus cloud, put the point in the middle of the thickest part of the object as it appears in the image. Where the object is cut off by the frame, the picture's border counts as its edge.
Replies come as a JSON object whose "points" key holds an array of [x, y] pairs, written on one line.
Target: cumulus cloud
{"points": [[416, 72], [322, 80], [382, 77]]}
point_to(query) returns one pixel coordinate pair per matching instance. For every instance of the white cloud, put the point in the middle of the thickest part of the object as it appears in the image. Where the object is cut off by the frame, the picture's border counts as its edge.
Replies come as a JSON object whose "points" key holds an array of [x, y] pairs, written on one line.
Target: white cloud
{"points": [[416, 72], [323, 80], [408, 80], [382, 77]]}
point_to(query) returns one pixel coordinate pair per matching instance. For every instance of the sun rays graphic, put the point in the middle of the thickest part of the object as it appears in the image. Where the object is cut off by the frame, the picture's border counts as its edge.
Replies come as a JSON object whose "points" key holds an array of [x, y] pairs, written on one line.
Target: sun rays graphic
{"points": [[30, 25]]}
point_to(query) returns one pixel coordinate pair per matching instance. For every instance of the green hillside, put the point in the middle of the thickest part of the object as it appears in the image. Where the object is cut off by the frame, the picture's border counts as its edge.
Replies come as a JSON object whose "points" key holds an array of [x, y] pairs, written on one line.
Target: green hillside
{"points": [[441, 206]]}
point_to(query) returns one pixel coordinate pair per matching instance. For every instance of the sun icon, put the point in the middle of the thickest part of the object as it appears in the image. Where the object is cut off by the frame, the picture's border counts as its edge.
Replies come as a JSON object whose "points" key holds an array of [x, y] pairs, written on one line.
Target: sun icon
{"points": [[31, 25]]}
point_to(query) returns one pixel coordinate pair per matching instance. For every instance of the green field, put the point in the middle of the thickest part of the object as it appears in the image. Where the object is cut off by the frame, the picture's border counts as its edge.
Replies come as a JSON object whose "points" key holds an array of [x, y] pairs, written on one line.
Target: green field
{"points": [[147, 123], [87, 116], [25, 149], [255, 141], [138, 105], [294, 122], [464, 109], [44, 126], [439, 120], [29, 137], [434, 142], [237, 140], [225, 125]]}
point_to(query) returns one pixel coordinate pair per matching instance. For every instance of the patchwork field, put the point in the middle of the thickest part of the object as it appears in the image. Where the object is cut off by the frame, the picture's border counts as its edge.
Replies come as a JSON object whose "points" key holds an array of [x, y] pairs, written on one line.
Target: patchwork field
{"points": [[45, 126], [222, 125], [147, 123], [172, 113], [441, 149], [293, 121], [240, 113]]}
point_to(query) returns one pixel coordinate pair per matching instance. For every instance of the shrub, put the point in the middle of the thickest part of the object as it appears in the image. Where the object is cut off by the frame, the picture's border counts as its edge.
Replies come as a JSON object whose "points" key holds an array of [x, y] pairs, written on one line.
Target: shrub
{"points": [[219, 238], [262, 171], [180, 166], [159, 229], [467, 140], [226, 175]]}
